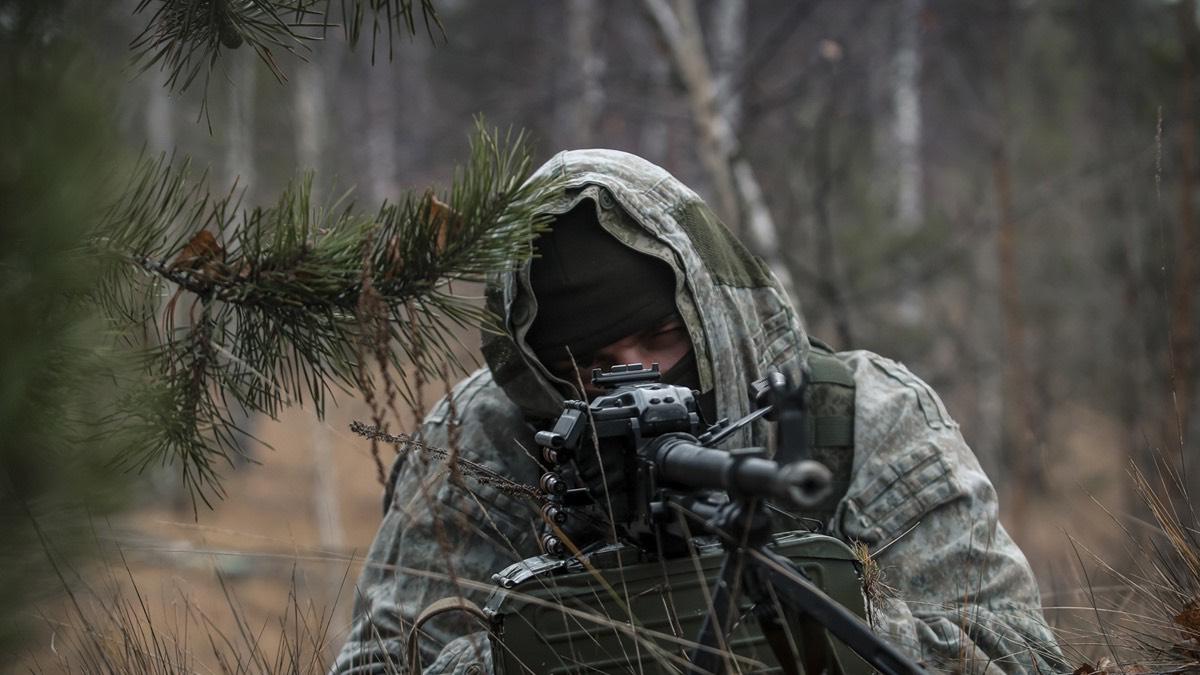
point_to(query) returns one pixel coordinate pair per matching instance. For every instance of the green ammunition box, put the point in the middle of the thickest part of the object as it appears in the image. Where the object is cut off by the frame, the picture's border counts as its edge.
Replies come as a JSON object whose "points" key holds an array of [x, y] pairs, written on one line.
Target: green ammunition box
{"points": [[617, 612]]}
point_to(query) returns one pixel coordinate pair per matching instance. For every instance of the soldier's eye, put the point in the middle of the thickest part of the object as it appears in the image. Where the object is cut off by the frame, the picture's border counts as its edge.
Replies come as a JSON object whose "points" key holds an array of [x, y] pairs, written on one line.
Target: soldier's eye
{"points": [[673, 325]]}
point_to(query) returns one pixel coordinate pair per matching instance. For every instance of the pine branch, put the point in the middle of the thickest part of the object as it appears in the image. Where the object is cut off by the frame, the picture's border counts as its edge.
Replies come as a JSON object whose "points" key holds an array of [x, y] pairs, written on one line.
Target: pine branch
{"points": [[184, 38], [255, 309]]}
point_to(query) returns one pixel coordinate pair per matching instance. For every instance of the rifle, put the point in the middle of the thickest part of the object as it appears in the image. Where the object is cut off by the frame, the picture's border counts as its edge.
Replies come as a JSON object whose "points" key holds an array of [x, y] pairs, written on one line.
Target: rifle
{"points": [[692, 578]]}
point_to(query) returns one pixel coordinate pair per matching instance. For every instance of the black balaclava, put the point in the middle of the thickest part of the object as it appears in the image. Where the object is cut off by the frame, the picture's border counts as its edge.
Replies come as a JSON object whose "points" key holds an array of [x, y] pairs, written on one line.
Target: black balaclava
{"points": [[591, 289]]}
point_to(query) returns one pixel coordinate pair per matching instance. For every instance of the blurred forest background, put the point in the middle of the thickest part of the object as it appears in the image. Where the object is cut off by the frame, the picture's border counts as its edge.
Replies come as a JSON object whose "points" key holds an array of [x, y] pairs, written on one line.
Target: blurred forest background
{"points": [[1000, 193]]}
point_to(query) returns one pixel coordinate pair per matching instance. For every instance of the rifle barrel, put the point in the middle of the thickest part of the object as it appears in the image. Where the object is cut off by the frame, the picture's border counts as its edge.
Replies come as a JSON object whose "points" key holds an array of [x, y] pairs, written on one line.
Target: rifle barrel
{"points": [[681, 461]]}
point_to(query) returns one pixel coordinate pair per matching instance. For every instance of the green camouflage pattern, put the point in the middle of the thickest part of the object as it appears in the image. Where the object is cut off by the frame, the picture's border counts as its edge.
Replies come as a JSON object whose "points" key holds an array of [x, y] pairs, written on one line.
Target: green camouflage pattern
{"points": [[965, 598]]}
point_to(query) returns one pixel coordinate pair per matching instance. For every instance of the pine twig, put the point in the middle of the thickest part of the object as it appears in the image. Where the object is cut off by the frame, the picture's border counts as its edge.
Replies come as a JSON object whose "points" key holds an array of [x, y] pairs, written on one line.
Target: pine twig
{"points": [[473, 470]]}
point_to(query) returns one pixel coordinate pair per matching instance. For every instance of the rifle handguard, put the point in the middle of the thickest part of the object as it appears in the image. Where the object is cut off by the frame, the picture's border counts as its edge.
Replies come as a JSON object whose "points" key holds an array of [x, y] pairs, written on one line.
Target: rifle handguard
{"points": [[680, 461]]}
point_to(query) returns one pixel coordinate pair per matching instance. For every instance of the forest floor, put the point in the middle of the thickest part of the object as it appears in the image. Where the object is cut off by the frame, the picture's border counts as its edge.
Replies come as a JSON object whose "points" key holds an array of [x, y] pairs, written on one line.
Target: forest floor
{"points": [[244, 567]]}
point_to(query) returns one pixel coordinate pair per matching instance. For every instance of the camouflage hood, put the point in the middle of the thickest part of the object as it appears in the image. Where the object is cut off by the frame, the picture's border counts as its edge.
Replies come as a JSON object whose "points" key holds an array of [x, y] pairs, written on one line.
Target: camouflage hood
{"points": [[736, 313]]}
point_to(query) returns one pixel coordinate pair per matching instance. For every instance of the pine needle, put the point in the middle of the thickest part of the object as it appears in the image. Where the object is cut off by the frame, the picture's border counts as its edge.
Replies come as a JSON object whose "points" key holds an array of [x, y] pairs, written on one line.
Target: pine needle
{"points": [[185, 38], [240, 309]]}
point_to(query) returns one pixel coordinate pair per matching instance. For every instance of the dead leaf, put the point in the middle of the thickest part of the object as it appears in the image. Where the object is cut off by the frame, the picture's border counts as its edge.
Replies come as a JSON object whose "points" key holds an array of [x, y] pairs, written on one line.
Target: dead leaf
{"points": [[1189, 619], [1085, 669], [201, 254], [1106, 666], [447, 221]]}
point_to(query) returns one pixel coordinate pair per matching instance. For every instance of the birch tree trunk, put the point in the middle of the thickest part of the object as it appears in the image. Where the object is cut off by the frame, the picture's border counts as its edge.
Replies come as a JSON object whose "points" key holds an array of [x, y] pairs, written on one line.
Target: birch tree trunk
{"points": [[416, 103], [906, 135], [160, 116], [159, 121], [739, 197], [906, 128], [309, 99], [584, 102], [729, 53], [1020, 417], [654, 139], [239, 145], [382, 120], [240, 169], [1184, 285]]}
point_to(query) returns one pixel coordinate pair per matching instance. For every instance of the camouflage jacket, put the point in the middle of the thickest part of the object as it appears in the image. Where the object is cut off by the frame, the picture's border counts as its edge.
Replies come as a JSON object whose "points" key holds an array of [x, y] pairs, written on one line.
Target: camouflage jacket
{"points": [[965, 598]]}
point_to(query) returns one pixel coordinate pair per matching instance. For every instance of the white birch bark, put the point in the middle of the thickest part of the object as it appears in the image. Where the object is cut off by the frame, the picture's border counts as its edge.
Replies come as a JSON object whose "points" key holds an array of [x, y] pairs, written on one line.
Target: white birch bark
{"points": [[326, 497], [310, 107], [739, 196], [240, 169], [239, 145], [906, 142], [382, 119], [729, 52], [654, 139], [308, 97], [582, 107], [159, 126], [160, 116], [906, 96]]}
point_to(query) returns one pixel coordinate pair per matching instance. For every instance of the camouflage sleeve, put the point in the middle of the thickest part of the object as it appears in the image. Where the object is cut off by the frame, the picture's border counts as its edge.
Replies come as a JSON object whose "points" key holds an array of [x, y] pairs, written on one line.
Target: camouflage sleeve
{"points": [[442, 537], [959, 594]]}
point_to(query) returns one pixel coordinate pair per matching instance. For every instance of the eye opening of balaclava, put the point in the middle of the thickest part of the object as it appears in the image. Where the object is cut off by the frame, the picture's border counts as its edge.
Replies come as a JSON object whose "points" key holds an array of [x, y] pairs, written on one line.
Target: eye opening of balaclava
{"points": [[593, 290]]}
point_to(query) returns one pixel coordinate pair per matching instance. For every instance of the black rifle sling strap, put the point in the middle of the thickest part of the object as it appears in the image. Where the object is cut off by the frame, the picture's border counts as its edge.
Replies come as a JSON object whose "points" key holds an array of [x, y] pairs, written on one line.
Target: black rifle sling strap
{"points": [[829, 402]]}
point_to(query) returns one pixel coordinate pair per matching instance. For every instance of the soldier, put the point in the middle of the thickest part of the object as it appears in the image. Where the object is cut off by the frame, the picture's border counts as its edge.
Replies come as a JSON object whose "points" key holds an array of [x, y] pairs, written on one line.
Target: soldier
{"points": [[636, 269]]}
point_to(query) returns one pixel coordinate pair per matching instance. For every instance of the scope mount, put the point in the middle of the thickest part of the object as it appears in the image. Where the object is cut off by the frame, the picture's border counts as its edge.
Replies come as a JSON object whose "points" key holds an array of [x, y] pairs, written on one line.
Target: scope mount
{"points": [[630, 373]]}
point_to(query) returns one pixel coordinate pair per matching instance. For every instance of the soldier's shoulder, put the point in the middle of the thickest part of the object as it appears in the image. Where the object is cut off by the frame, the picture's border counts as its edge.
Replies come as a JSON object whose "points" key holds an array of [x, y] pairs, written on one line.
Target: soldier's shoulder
{"points": [[888, 388], [909, 456], [478, 422], [475, 397]]}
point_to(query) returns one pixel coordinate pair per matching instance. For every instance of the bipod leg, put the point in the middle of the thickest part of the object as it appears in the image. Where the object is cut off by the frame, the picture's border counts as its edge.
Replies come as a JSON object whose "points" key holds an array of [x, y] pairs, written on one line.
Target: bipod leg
{"points": [[799, 594], [782, 628], [708, 655]]}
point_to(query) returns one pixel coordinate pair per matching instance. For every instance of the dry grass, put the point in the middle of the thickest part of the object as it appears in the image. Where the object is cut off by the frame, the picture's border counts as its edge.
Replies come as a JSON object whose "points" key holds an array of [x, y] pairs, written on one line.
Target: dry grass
{"points": [[250, 589], [1143, 616], [115, 629]]}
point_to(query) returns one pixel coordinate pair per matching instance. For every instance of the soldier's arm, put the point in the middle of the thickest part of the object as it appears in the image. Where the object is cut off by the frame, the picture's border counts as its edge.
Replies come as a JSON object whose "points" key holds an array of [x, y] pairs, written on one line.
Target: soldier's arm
{"points": [[440, 538], [965, 598]]}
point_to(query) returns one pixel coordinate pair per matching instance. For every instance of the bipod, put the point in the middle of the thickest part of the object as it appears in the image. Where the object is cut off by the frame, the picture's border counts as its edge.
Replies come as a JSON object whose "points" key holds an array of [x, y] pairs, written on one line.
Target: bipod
{"points": [[775, 586]]}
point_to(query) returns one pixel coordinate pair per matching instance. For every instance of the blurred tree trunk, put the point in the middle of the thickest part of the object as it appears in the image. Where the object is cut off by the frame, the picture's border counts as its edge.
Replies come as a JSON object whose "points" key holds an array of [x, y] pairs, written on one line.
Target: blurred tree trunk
{"points": [[1019, 439], [729, 54], [830, 284], [310, 97], [160, 115], [740, 200], [417, 102], [1184, 286], [906, 141], [584, 101], [906, 126], [654, 139], [160, 139], [382, 120], [241, 169], [239, 146]]}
